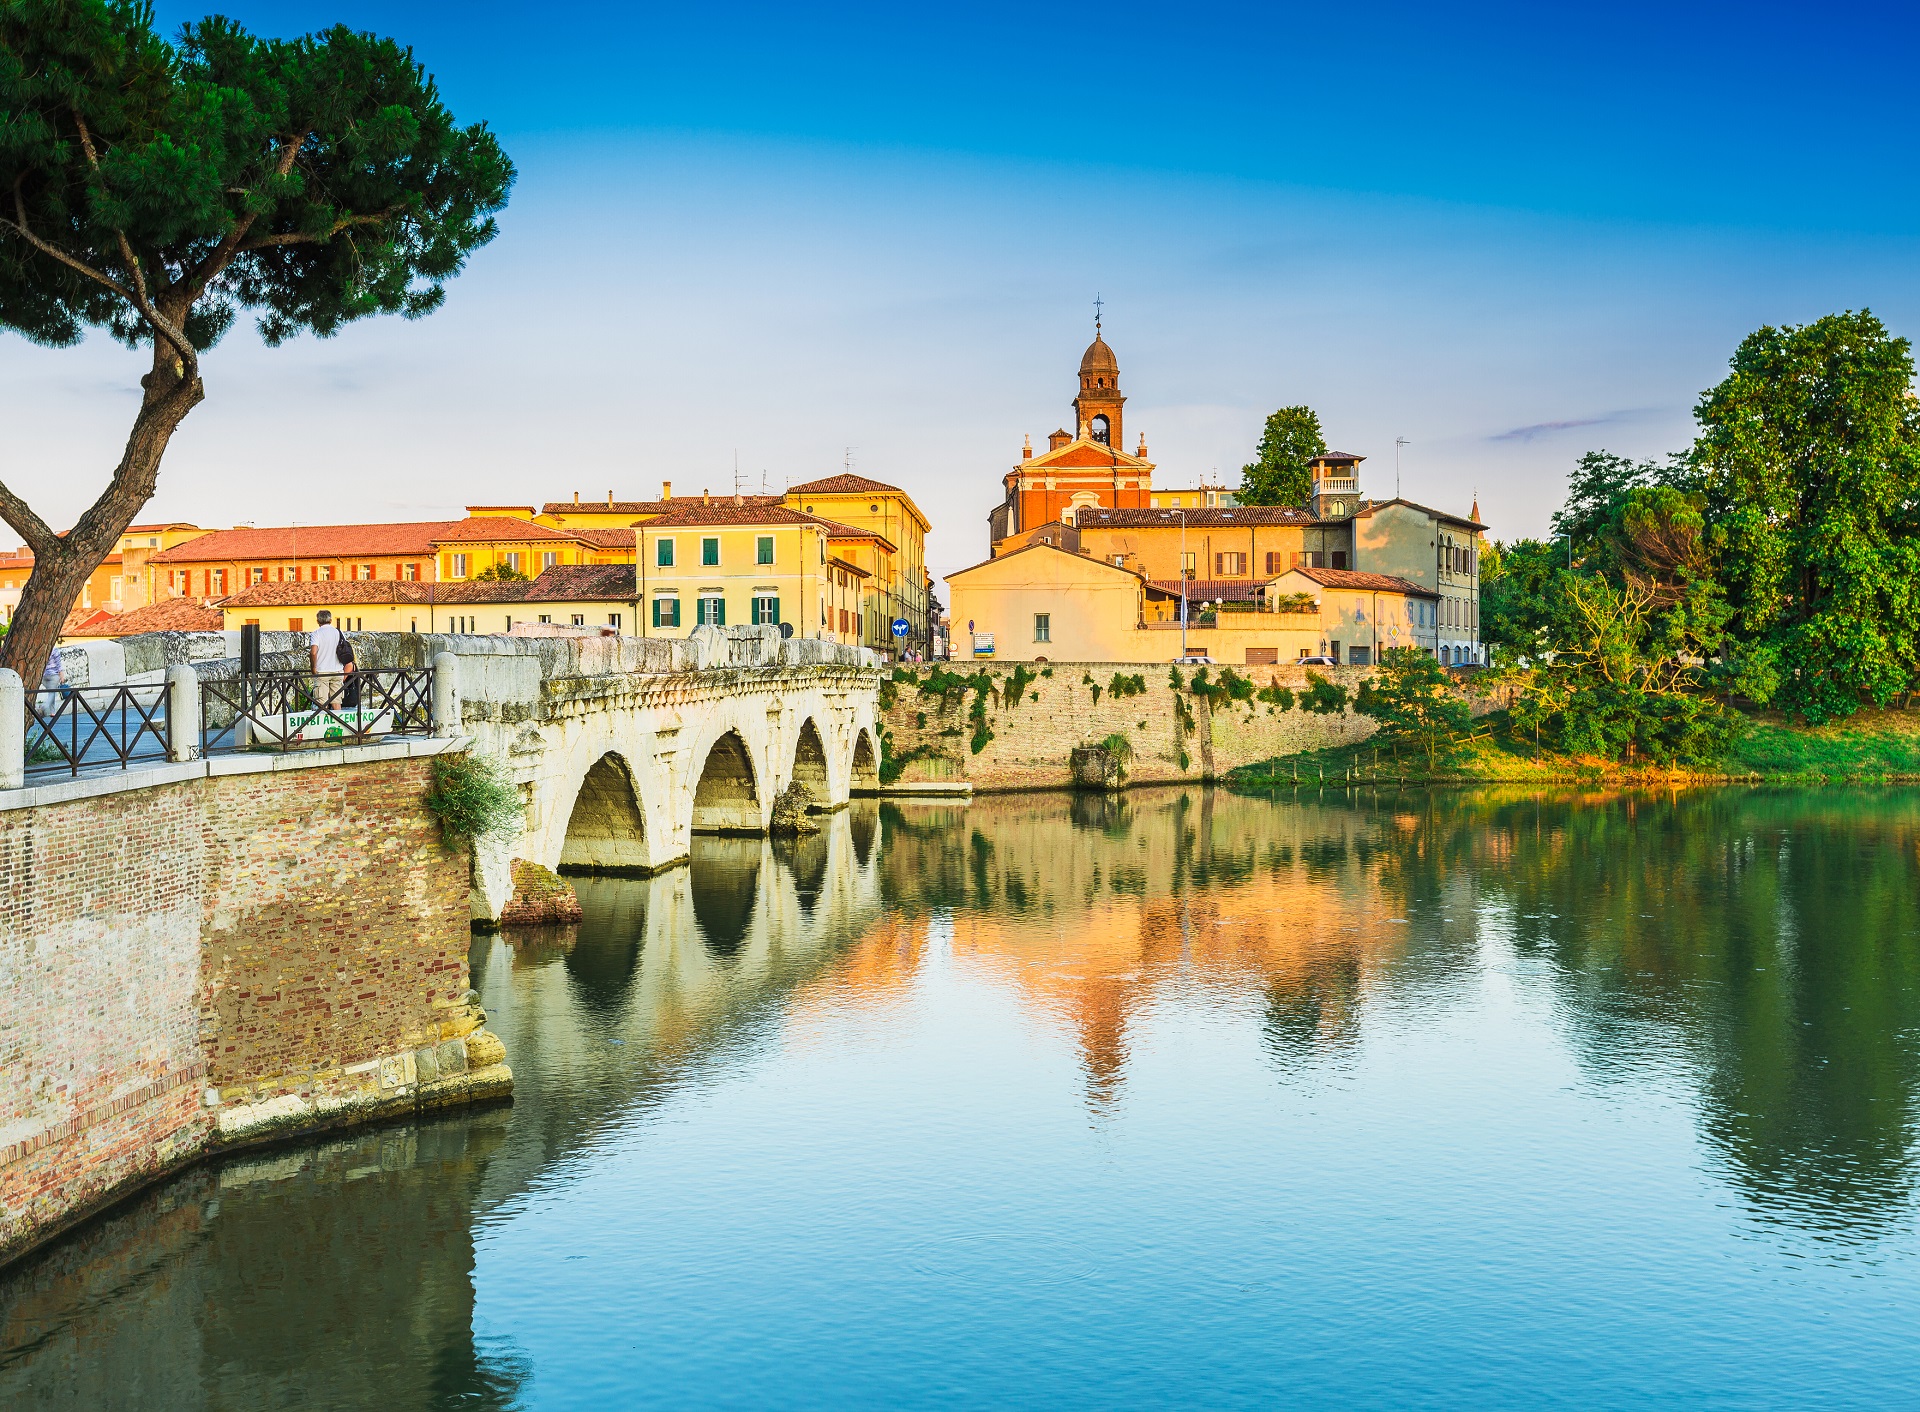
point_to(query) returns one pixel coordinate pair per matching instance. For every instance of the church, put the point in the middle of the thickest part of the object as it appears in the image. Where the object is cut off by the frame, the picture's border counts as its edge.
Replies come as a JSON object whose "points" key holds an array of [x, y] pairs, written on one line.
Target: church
{"points": [[1082, 468], [1088, 497]]}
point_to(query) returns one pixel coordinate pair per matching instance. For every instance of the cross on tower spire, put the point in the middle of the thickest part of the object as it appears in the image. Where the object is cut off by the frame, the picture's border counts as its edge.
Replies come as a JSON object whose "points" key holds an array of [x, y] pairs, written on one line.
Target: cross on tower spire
{"points": [[1098, 302]]}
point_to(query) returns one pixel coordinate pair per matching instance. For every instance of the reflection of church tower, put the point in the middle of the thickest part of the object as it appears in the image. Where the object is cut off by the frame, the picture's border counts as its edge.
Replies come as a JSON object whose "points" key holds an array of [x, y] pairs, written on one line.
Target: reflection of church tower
{"points": [[1097, 408]]}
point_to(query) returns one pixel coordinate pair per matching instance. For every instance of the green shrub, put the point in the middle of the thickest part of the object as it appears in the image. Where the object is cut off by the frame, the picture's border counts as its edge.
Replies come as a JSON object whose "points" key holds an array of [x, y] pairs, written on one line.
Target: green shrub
{"points": [[1277, 696], [1124, 686], [1118, 746], [472, 797], [1016, 685]]}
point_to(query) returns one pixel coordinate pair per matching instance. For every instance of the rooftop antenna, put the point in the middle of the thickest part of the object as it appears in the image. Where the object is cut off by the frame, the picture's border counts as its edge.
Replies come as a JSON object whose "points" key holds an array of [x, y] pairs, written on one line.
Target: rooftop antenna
{"points": [[1398, 442], [846, 462], [736, 470]]}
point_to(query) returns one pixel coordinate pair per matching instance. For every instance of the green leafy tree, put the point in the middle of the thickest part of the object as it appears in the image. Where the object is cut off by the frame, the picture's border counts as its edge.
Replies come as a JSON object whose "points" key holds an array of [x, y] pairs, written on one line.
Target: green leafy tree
{"points": [[155, 190], [1412, 701], [1809, 456], [1323, 697], [500, 571], [1519, 594], [1279, 474]]}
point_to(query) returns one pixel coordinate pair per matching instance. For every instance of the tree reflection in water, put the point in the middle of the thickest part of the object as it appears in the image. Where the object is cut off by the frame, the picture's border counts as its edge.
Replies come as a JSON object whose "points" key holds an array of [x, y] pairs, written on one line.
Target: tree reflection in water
{"points": [[1755, 952]]}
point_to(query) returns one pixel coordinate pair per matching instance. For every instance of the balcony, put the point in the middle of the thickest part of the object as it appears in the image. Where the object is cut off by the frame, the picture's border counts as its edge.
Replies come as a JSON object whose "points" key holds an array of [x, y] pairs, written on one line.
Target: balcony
{"points": [[1337, 485]]}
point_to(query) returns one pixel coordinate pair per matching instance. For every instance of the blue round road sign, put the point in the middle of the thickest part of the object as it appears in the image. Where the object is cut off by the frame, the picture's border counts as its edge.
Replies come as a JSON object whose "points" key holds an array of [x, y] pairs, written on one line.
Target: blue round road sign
{"points": [[901, 627]]}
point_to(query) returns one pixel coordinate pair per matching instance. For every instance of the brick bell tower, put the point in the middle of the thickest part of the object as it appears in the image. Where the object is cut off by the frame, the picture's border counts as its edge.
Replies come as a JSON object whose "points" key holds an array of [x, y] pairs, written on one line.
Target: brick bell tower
{"points": [[1097, 409]]}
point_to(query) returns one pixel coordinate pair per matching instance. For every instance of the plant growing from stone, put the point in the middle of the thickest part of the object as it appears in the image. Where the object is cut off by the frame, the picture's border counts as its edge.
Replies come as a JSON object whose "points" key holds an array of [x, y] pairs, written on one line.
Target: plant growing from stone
{"points": [[157, 189], [1323, 697], [472, 798]]}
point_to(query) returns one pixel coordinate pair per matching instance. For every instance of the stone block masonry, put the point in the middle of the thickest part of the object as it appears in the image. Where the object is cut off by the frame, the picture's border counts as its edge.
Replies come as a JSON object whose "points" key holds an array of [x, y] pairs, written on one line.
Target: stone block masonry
{"points": [[217, 960], [1172, 736]]}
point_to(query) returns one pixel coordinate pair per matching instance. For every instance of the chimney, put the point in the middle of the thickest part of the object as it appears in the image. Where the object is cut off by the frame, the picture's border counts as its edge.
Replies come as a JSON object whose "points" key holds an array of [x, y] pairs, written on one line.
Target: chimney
{"points": [[576, 497], [736, 498], [1026, 451], [706, 497], [609, 499], [666, 490]]}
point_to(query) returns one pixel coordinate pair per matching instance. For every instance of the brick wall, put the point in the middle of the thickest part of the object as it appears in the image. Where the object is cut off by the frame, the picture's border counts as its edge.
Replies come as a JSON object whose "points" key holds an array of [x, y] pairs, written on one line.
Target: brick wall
{"points": [[1034, 738], [251, 933]]}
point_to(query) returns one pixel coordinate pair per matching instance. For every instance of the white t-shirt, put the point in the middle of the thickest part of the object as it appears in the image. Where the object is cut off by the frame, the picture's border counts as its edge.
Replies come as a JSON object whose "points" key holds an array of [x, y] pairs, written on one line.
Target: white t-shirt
{"points": [[326, 642]]}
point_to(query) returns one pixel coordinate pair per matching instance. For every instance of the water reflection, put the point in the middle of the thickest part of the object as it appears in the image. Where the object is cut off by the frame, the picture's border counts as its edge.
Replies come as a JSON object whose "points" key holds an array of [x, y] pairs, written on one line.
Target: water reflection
{"points": [[1750, 959]]}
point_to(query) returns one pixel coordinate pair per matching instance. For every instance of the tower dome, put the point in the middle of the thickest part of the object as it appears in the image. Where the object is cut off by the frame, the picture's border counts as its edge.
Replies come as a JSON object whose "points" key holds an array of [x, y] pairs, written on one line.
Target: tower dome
{"points": [[1099, 359]]}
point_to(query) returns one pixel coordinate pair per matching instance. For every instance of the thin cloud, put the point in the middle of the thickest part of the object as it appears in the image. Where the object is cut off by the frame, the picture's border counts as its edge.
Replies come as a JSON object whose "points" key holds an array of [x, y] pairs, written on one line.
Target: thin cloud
{"points": [[1540, 429]]}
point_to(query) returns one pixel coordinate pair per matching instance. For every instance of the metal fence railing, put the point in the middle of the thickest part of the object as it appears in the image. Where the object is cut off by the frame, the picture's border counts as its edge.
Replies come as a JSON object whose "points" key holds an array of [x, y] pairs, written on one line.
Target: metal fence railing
{"points": [[84, 727], [282, 710]]}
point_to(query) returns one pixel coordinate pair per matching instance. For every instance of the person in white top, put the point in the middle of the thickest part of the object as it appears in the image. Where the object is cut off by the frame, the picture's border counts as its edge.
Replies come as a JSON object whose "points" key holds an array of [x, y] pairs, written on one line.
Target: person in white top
{"points": [[328, 674]]}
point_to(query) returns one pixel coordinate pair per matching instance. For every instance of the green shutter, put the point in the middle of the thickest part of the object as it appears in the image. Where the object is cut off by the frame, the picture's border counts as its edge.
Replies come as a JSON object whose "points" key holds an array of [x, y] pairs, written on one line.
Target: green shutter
{"points": [[720, 609], [663, 554], [656, 614], [775, 619], [765, 547], [709, 552]]}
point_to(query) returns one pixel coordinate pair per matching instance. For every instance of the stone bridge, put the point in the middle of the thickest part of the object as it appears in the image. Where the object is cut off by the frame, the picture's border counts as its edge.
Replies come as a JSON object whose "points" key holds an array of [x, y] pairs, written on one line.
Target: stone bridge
{"points": [[624, 748]]}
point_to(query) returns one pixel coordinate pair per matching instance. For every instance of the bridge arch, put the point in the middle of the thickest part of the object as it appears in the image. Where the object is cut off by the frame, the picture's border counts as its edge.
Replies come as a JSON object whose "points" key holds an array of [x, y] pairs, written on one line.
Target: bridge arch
{"points": [[810, 763], [726, 798], [865, 770], [607, 830]]}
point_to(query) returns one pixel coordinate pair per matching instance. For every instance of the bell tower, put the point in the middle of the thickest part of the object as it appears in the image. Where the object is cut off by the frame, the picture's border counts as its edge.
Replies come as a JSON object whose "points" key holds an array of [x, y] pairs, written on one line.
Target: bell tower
{"points": [[1097, 409]]}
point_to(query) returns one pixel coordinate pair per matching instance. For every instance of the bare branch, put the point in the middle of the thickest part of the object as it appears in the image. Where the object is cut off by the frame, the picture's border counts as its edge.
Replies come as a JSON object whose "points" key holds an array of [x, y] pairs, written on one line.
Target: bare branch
{"points": [[344, 223], [39, 536]]}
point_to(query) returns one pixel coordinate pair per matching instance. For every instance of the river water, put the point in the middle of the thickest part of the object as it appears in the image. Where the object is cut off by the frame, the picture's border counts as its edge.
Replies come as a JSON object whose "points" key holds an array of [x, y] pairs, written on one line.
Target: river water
{"points": [[1379, 1100]]}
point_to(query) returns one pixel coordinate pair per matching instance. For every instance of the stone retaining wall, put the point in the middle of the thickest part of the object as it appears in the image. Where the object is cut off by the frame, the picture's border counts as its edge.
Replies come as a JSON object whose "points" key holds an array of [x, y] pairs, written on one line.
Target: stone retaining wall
{"points": [[1173, 736], [217, 960]]}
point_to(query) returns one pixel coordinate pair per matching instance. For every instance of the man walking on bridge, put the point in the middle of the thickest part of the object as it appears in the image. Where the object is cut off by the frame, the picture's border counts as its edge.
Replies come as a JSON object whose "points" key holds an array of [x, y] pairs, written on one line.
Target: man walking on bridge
{"points": [[328, 674]]}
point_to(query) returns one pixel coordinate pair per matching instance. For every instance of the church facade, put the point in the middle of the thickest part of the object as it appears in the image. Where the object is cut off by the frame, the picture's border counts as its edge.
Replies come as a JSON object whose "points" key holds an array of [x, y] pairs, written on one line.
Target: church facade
{"points": [[1079, 469]]}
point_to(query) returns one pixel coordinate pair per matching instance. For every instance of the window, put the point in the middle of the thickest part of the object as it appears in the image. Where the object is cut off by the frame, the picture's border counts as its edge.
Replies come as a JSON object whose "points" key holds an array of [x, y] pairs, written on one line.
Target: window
{"points": [[1339, 558], [546, 617], [513, 562], [1229, 565], [219, 578], [1273, 562], [579, 620], [1187, 564], [411, 573], [549, 559], [666, 612], [613, 621], [459, 566], [1043, 627], [766, 608], [663, 553], [257, 575], [763, 550], [712, 608], [710, 551], [366, 571], [296, 624]]}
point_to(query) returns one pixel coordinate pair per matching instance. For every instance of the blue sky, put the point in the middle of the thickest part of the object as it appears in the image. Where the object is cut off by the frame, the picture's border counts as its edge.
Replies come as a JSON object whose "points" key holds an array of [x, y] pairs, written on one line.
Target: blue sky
{"points": [[1509, 234]]}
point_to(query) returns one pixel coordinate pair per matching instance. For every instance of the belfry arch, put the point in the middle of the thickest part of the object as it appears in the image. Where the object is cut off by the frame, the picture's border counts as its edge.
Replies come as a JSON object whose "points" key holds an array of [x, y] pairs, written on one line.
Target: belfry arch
{"points": [[727, 799], [607, 831]]}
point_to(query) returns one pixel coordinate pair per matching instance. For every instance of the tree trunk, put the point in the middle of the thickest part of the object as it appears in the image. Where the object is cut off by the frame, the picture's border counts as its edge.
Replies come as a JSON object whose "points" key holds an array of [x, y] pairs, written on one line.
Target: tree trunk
{"points": [[62, 566]]}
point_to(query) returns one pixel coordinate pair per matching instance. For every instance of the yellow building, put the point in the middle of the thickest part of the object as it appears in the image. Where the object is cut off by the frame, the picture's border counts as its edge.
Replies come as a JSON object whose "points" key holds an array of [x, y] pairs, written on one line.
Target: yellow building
{"points": [[578, 595], [1044, 602], [900, 582], [1363, 615], [489, 541], [733, 563]]}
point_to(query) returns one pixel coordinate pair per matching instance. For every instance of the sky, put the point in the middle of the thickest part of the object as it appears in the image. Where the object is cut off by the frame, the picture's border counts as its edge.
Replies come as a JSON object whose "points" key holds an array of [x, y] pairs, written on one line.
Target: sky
{"points": [[790, 240]]}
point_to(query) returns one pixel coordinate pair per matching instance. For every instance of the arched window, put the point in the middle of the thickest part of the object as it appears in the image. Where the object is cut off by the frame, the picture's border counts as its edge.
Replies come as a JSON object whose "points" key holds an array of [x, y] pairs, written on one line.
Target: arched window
{"points": [[1101, 429]]}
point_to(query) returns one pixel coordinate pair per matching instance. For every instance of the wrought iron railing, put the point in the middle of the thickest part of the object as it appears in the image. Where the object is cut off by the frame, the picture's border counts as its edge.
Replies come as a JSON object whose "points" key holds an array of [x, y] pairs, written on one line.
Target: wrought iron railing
{"points": [[282, 710], [72, 728]]}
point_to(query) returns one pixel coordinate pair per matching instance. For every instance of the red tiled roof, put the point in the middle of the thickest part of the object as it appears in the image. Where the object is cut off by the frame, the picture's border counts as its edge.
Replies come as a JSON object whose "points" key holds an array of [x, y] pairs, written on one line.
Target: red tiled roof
{"points": [[728, 513], [1210, 590], [85, 622], [1354, 578], [608, 582], [168, 615], [844, 484], [1370, 506], [497, 529], [378, 591], [1103, 517], [612, 537], [836, 530], [639, 507], [306, 542]]}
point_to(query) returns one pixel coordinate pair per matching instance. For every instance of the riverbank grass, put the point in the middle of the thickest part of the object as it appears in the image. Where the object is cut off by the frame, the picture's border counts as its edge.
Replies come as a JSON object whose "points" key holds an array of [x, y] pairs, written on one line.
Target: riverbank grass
{"points": [[1872, 746]]}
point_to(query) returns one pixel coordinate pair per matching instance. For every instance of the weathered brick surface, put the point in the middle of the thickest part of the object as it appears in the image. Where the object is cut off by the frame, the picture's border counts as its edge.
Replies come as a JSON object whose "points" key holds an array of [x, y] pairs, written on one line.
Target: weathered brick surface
{"points": [[1033, 740], [252, 933]]}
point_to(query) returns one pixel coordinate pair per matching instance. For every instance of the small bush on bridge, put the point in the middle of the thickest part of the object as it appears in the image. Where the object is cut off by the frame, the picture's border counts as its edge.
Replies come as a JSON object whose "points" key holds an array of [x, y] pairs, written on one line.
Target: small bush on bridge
{"points": [[472, 797]]}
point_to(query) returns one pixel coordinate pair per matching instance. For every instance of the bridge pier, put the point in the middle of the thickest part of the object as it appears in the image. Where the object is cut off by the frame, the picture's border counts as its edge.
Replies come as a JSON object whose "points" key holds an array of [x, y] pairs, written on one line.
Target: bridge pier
{"points": [[620, 766]]}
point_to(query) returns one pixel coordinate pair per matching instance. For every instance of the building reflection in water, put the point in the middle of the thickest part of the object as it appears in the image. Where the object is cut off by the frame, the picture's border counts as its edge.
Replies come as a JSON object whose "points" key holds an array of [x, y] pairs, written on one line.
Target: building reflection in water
{"points": [[1764, 947]]}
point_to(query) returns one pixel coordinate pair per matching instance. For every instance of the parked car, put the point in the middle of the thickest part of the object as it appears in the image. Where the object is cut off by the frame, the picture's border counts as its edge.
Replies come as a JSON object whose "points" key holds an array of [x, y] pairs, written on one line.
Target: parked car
{"points": [[1197, 659], [1316, 662]]}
